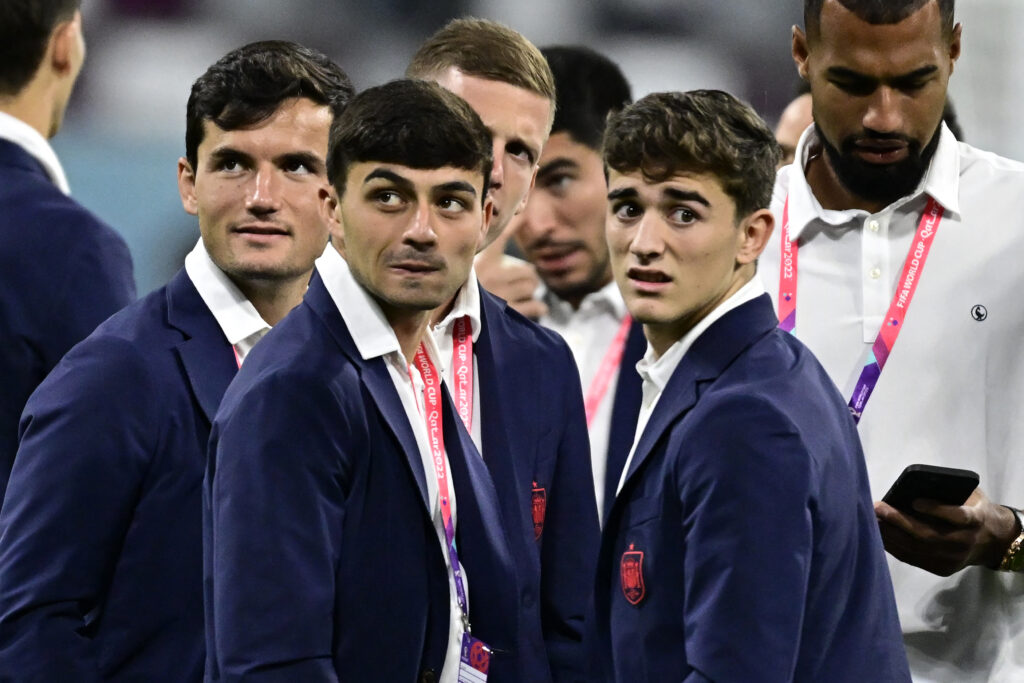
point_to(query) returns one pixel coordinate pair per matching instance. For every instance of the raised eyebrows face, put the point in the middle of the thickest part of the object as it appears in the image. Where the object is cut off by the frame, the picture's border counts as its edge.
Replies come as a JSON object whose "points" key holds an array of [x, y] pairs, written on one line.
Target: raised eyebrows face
{"points": [[519, 121], [677, 250], [561, 230], [256, 193], [409, 235], [878, 93]]}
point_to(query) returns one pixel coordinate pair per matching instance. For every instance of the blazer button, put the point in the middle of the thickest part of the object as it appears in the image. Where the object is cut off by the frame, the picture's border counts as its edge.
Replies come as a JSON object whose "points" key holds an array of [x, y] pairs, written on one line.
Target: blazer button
{"points": [[428, 676]]}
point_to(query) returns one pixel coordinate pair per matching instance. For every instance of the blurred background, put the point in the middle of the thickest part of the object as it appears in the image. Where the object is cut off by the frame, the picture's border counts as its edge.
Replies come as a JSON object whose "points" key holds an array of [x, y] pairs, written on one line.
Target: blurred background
{"points": [[125, 126]]}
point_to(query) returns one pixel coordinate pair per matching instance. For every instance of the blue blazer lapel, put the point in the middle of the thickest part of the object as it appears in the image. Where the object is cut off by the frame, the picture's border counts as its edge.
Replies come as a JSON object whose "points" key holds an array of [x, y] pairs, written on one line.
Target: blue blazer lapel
{"points": [[208, 358], [375, 377], [625, 411], [710, 355]]}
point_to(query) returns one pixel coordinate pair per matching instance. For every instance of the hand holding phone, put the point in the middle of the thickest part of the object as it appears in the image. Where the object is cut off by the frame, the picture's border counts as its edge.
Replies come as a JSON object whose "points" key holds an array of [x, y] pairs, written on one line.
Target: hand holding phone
{"points": [[946, 485]]}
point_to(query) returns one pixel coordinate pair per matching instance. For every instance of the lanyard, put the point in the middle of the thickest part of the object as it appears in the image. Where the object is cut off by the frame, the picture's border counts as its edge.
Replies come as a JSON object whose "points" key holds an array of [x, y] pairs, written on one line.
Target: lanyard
{"points": [[462, 370], [238, 359], [435, 435], [894, 317], [609, 366]]}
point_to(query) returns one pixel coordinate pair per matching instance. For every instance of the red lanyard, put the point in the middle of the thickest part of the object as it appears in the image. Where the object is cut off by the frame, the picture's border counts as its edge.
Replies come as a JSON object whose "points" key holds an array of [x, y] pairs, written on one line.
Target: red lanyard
{"points": [[913, 266], [435, 436], [462, 370], [609, 366]]}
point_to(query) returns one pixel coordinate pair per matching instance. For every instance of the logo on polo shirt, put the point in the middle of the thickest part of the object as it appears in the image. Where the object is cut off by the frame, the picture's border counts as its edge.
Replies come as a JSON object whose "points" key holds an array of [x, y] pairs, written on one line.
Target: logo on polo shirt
{"points": [[979, 313]]}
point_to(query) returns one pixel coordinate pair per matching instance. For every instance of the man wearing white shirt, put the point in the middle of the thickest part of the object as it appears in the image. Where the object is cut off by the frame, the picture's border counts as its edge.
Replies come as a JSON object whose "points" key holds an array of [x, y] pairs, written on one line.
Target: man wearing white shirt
{"points": [[340, 476], [742, 544], [62, 270], [515, 383], [561, 232], [889, 216], [101, 553]]}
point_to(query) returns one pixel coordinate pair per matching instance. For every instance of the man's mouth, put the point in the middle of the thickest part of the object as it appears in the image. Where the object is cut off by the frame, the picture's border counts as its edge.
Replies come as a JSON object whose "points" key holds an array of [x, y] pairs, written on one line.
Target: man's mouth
{"points": [[881, 151], [260, 229]]}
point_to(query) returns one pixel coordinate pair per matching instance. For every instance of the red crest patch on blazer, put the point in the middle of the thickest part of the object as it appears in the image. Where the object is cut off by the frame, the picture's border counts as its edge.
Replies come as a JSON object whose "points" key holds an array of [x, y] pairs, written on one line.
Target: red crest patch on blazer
{"points": [[631, 573], [539, 506]]}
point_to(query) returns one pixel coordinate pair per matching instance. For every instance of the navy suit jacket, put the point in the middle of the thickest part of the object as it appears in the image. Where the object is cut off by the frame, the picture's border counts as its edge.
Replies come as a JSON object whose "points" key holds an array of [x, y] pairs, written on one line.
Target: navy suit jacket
{"points": [[534, 437], [101, 531], [323, 561], [62, 273], [625, 412], [744, 546]]}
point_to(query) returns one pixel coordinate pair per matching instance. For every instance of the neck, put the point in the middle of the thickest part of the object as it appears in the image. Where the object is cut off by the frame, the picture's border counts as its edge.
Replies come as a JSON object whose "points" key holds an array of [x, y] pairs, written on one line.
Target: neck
{"points": [[274, 299], [576, 298], [441, 312], [829, 190], [410, 328], [32, 106]]}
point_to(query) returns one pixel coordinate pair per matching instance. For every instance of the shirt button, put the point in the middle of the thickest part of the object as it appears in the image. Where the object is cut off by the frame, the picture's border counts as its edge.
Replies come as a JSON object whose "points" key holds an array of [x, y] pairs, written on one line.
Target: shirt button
{"points": [[875, 273], [873, 226]]}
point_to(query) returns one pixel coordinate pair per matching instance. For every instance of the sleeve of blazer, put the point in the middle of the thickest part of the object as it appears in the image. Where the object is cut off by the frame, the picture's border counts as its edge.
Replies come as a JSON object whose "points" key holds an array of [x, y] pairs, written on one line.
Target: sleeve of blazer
{"points": [[86, 442], [277, 485], [744, 481], [571, 536]]}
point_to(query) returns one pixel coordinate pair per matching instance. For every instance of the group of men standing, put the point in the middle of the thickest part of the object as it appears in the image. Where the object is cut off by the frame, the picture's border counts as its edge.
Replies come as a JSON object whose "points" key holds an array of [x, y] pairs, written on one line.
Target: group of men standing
{"points": [[325, 451]]}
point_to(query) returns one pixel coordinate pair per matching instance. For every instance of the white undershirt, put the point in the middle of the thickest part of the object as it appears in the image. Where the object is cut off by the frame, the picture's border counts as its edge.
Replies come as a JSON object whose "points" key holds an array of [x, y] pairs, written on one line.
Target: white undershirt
{"points": [[29, 139], [374, 338], [589, 330], [236, 316], [656, 372]]}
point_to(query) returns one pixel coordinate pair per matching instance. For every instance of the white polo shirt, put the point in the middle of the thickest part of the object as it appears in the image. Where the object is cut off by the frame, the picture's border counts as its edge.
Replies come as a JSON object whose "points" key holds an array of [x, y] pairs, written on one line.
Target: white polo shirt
{"points": [[235, 314], [950, 393], [374, 338], [589, 330]]}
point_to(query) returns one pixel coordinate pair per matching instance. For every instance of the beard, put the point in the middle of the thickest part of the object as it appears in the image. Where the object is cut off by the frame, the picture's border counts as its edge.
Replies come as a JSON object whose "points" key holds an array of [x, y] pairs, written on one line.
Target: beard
{"points": [[881, 183]]}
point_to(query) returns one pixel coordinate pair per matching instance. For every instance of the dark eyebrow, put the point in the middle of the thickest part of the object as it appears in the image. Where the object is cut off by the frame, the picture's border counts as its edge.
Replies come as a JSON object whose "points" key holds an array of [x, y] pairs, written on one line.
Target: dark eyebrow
{"points": [[557, 165], [384, 174], [686, 196], [842, 72], [623, 193], [307, 159], [456, 186], [223, 153]]}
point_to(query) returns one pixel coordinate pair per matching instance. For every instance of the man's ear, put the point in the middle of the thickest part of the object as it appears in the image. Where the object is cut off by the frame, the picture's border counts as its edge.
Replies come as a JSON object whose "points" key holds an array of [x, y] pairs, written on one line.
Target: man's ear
{"points": [[488, 211], [756, 229], [800, 51], [954, 45], [65, 44], [187, 187], [331, 216]]}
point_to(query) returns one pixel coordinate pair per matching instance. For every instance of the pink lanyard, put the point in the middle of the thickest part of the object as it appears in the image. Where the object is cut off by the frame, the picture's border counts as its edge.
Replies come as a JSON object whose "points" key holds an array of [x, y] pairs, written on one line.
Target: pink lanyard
{"points": [[609, 366], [435, 436], [894, 317], [462, 370]]}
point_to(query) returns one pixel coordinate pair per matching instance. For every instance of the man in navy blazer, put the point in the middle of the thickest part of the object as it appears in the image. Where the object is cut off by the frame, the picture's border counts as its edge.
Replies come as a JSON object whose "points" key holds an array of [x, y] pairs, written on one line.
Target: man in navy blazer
{"points": [[62, 270], [742, 544], [341, 481], [518, 392], [101, 530]]}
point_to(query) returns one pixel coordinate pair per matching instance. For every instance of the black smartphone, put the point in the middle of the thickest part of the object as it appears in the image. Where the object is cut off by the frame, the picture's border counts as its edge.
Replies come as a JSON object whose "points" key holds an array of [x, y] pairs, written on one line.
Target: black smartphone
{"points": [[946, 485]]}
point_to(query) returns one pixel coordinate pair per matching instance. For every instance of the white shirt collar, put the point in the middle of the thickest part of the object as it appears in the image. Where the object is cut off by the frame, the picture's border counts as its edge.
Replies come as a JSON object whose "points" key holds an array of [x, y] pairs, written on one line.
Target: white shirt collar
{"points": [[658, 371], [29, 139], [234, 313], [941, 181], [467, 302], [608, 297]]}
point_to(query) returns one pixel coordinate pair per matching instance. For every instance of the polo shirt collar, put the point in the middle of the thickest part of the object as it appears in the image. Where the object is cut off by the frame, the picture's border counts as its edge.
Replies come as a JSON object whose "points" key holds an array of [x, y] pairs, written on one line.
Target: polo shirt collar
{"points": [[234, 313], [467, 303]]}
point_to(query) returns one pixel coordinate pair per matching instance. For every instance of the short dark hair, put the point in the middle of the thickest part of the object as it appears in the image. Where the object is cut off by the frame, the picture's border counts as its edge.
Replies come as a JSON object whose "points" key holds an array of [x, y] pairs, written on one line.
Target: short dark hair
{"points": [[485, 49], [701, 131], [878, 12], [25, 30], [413, 123], [247, 85], [588, 87]]}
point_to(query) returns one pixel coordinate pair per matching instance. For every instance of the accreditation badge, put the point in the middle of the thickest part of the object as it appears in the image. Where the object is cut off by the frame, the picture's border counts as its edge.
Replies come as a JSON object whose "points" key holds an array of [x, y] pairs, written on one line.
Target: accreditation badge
{"points": [[474, 661]]}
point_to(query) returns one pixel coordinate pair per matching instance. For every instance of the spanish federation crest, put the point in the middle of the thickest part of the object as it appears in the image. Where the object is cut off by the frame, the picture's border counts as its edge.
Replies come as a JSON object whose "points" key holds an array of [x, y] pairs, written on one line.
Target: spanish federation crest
{"points": [[631, 573], [539, 506]]}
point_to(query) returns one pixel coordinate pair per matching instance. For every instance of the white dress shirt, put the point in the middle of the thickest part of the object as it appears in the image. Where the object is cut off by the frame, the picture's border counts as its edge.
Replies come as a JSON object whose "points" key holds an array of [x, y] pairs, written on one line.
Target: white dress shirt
{"points": [[467, 302], [29, 139], [656, 371], [236, 316], [589, 330], [950, 391], [374, 338]]}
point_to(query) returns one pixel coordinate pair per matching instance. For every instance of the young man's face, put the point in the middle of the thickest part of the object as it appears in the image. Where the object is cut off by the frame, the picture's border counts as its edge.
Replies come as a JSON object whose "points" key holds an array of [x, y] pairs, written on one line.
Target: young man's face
{"points": [[677, 250], [409, 235], [256, 192], [878, 93], [519, 122], [561, 230]]}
